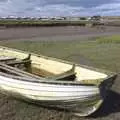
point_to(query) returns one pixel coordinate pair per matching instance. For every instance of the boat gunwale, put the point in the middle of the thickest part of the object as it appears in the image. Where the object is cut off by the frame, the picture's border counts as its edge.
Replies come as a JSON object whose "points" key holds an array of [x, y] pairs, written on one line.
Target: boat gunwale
{"points": [[48, 81]]}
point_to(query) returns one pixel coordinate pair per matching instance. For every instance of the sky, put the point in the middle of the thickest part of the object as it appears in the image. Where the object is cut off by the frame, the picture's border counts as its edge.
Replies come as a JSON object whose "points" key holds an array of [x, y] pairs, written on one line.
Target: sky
{"points": [[47, 8]]}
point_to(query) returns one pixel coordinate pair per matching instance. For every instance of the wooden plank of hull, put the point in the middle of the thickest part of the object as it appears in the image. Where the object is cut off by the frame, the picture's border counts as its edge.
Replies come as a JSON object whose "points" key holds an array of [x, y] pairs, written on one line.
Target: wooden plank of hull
{"points": [[61, 95], [17, 71], [46, 86], [82, 100], [4, 59], [76, 106]]}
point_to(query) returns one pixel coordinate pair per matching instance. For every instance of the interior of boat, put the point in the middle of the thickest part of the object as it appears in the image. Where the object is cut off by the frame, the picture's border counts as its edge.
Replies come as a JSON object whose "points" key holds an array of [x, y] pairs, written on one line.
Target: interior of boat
{"points": [[46, 67], [9, 64]]}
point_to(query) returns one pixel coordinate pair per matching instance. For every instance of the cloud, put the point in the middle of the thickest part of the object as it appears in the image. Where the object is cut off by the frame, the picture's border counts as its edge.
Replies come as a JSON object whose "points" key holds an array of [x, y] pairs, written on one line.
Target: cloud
{"points": [[3, 1], [59, 7], [84, 3], [108, 9]]}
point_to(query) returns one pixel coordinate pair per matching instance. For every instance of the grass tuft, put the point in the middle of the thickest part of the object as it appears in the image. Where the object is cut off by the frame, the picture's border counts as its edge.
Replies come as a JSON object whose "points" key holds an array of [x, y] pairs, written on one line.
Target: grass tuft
{"points": [[111, 39]]}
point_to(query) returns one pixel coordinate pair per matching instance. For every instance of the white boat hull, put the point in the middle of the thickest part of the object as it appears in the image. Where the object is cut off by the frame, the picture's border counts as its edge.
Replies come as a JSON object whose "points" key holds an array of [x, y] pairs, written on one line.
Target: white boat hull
{"points": [[79, 99]]}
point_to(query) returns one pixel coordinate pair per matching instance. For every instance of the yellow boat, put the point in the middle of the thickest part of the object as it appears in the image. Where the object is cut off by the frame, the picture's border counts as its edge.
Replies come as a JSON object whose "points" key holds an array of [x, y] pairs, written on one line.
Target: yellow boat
{"points": [[53, 82]]}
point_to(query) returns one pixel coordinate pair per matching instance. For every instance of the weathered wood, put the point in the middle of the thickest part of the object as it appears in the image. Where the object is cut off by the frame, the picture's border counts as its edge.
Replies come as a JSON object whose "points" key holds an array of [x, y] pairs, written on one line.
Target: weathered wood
{"points": [[19, 77], [41, 72], [13, 72], [17, 71], [12, 63], [6, 58], [68, 75]]}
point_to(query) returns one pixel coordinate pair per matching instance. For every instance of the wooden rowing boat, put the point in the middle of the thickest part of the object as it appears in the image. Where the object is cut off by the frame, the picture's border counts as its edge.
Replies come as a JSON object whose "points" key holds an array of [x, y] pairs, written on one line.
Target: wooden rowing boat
{"points": [[53, 82]]}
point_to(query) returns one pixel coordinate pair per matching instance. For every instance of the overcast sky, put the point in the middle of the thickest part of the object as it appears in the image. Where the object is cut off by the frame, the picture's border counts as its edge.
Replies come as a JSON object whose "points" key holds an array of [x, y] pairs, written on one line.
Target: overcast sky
{"points": [[59, 7]]}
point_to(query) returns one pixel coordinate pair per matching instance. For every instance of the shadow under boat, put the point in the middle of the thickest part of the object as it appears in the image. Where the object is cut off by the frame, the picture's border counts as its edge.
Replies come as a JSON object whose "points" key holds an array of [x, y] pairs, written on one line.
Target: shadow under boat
{"points": [[110, 105]]}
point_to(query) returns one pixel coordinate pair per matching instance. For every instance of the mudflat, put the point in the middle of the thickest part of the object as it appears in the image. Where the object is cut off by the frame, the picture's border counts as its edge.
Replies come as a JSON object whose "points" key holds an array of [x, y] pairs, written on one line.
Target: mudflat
{"points": [[56, 33]]}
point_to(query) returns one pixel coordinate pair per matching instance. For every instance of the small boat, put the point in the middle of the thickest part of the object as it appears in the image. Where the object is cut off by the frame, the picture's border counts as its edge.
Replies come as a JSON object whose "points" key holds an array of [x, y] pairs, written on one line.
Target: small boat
{"points": [[53, 82]]}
